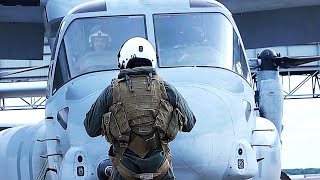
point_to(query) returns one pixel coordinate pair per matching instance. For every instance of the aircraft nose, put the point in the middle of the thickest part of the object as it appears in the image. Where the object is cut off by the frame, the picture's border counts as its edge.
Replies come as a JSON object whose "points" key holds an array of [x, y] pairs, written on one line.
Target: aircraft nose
{"points": [[205, 150]]}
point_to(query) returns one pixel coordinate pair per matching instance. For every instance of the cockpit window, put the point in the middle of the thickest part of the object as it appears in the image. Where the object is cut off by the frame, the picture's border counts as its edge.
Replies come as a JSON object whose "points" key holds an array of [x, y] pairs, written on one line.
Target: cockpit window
{"points": [[201, 39], [197, 39], [92, 44]]}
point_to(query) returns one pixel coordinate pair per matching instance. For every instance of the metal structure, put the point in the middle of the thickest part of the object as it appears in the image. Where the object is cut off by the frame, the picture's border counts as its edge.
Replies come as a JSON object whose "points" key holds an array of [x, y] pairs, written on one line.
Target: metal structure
{"points": [[225, 106], [24, 89], [25, 103], [265, 23], [36, 98], [244, 12], [315, 85], [295, 79], [77, 76]]}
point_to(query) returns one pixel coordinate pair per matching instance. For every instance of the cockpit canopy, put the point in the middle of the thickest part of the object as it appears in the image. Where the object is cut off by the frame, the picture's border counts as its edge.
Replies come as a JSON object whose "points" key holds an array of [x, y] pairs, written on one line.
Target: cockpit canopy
{"points": [[92, 44], [194, 39], [181, 40]]}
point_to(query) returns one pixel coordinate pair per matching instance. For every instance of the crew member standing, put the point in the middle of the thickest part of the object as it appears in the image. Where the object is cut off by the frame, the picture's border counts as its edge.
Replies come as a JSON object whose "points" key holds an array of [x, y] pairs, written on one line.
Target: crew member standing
{"points": [[139, 114]]}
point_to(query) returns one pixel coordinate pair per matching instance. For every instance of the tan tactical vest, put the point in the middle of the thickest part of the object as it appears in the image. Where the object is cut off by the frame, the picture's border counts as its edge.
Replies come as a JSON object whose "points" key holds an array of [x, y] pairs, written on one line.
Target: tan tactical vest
{"points": [[140, 105], [140, 96]]}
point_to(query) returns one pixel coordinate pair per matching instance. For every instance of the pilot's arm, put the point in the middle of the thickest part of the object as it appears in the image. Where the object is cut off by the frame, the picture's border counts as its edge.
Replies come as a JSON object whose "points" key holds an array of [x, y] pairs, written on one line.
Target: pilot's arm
{"points": [[93, 119], [177, 101]]}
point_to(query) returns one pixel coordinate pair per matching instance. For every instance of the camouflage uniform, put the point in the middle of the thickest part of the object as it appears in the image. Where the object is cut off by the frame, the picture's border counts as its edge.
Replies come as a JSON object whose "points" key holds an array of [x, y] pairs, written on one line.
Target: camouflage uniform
{"points": [[156, 157]]}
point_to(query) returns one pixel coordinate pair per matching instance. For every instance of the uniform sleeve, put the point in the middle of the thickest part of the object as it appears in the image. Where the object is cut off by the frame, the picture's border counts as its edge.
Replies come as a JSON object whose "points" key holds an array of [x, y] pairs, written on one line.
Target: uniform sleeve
{"points": [[176, 99], [93, 120]]}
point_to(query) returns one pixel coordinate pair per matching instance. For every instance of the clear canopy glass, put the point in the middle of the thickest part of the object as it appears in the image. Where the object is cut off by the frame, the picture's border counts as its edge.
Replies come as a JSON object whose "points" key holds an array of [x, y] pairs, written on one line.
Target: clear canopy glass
{"points": [[92, 44], [197, 39], [186, 39]]}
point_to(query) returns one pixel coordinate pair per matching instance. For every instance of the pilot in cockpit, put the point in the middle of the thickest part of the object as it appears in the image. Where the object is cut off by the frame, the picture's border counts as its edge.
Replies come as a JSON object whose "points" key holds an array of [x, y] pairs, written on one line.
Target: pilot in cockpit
{"points": [[98, 55], [190, 37], [99, 40]]}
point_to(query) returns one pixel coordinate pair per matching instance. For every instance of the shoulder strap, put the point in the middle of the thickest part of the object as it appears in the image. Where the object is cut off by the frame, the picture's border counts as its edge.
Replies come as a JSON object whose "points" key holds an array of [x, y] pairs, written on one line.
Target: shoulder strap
{"points": [[118, 157], [116, 90], [162, 87]]}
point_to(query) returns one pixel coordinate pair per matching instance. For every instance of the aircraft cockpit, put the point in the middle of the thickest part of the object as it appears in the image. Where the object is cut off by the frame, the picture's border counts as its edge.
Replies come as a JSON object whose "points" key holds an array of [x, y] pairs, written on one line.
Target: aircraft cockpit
{"points": [[181, 40], [92, 44], [198, 39]]}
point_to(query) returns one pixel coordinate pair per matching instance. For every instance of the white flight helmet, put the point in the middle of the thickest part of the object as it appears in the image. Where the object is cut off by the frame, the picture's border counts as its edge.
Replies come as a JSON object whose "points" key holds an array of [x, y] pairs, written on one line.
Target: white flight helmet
{"points": [[135, 52], [96, 31]]}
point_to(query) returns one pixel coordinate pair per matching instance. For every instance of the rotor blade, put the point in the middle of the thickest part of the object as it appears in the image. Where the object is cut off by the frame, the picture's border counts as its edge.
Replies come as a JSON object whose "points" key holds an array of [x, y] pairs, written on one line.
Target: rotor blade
{"points": [[7, 73], [287, 62]]}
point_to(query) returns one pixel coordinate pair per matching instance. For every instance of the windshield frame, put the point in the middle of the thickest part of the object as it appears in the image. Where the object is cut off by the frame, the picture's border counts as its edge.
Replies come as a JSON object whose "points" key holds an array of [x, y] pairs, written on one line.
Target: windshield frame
{"points": [[234, 33], [60, 42], [145, 33]]}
